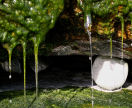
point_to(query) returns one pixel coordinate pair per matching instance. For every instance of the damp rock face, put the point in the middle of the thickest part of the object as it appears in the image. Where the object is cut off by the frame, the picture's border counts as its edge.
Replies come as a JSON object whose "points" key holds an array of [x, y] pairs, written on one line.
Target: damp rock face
{"points": [[109, 73], [111, 29], [41, 64], [16, 66]]}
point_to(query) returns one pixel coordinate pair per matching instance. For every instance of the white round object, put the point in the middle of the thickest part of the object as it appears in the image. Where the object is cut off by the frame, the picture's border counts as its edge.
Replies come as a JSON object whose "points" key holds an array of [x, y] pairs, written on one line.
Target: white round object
{"points": [[10, 101], [10, 76], [109, 73]]}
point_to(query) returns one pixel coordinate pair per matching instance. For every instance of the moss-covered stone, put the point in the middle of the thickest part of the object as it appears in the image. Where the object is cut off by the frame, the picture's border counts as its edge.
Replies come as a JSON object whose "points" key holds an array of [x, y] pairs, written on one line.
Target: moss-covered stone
{"points": [[67, 98]]}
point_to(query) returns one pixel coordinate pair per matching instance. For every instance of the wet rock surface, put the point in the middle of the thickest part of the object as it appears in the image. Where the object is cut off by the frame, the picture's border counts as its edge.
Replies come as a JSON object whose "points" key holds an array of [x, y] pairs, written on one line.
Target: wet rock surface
{"points": [[70, 38], [16, 66], [101, 47], [42, 65], [63, 71]]}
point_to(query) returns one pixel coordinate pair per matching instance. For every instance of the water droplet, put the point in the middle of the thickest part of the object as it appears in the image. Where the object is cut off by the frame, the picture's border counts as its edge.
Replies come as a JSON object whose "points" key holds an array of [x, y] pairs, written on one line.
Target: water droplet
{"points": [[10, 101], [90, 58], [81, 2], [88, 22], [121, 60], [14, 1], [92, 103], [31, 8], [10, 76]]}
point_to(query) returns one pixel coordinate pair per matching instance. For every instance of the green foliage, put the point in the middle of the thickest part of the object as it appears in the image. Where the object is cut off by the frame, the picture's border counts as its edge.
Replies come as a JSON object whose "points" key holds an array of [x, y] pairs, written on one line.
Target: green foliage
{"points": [[105, 7]]}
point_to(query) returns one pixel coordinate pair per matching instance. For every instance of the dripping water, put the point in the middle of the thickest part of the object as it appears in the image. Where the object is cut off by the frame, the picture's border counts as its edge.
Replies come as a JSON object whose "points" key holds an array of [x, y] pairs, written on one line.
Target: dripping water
{"points": [[87, 25], [9, 49], [109, 103], [10, 76]]}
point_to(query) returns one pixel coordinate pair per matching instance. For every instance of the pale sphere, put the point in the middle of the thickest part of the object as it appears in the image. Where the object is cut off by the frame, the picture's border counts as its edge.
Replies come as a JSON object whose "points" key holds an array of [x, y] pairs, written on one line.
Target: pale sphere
{"points": [[10, 76], [109, 73]]}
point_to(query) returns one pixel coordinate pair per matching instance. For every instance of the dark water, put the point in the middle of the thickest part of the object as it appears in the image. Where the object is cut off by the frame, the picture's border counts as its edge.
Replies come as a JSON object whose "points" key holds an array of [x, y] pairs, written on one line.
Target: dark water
{"points": [[61, 72]]}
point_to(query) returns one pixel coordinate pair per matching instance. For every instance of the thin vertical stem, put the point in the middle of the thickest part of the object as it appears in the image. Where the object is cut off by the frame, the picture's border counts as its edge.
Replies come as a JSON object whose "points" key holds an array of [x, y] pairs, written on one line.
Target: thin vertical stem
{"points": [[110, 37], [122, 38], [131, 24], [10, 54], [36, 67], [111, 47], [24, 66]]}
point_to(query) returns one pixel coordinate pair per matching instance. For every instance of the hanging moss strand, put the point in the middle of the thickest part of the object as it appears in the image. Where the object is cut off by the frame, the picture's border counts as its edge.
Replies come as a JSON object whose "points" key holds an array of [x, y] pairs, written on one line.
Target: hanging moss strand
{"points": [[24, 66], [131, 22], [111, 47], [10, 55], [122, 30], [36, 66]]}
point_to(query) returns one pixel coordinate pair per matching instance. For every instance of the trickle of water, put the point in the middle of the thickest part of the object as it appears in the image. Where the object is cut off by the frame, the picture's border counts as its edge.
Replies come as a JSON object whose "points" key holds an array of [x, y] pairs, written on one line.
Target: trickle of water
{"points": [[109, 103], [10, 76], [81, 2], [9, 49], [89, 58], [87, 25], [10, 101]]}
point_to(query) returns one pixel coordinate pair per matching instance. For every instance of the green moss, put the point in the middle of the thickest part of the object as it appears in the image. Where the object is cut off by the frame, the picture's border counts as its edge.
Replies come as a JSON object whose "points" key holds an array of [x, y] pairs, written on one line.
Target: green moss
{"points": [[108, 10], [67, 98], [105, 7], [22, 21]]}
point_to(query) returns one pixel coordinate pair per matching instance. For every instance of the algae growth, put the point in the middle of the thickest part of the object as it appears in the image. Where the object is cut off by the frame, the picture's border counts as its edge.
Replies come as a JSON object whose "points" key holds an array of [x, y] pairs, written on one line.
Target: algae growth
{"points": [[105, 14], [67, 98], [107, 10], [105, 7], [22, 21]]}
